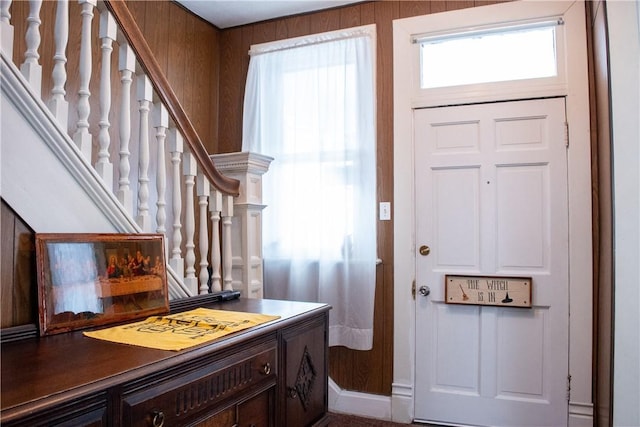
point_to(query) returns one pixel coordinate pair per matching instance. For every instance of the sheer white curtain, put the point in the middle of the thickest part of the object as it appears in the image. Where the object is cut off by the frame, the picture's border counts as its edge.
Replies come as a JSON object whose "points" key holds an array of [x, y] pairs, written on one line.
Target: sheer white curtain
{"points": [[309, 103]]}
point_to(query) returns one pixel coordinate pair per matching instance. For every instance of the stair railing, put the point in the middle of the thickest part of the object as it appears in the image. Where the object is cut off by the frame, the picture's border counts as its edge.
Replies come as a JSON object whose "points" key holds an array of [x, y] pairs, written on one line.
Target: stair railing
{"points": [[152, 158]]}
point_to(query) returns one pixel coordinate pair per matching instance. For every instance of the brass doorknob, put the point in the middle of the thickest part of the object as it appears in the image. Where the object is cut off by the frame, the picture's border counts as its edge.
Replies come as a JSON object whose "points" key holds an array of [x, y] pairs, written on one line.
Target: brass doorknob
{"points": [[424, 250]]}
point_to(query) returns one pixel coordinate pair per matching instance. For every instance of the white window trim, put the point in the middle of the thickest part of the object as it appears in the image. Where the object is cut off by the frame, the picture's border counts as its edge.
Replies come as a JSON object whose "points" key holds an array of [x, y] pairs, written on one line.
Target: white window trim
{"points": [[467, 20]]}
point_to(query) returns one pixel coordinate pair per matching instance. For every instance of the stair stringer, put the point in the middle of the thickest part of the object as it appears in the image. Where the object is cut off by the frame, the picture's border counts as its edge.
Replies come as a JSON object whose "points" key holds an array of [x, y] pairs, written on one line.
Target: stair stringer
{"points": [[45, 178]]}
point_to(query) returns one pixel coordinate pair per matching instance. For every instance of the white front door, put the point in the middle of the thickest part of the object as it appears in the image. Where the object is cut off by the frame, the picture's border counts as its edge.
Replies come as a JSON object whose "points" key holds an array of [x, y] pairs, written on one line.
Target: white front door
{"points": [[491, 200]]}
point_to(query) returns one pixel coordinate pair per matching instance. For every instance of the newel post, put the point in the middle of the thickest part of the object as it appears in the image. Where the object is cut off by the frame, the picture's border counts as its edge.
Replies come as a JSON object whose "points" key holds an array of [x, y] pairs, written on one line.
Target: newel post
{"points": [[246, 229]]}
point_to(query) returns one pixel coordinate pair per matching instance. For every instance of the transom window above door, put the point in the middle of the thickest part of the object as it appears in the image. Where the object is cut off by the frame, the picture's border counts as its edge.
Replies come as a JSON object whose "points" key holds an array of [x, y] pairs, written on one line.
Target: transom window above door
{"points": [[513, 59], [517, 52]]}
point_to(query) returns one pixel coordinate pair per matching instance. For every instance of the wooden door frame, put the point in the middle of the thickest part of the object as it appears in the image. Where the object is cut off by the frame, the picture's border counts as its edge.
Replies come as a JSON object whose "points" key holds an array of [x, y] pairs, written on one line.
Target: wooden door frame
{"points": [[407, 97]]}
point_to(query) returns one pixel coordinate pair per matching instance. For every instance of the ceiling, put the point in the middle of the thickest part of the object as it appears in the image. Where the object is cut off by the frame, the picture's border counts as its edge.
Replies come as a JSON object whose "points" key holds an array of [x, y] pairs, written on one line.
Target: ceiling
{"points": [[231, 13]]}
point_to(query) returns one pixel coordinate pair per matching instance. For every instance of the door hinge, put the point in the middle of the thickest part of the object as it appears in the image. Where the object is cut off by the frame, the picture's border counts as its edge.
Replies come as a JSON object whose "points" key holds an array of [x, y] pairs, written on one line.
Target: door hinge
{"points": [[566, 134], [568, 387], [413, 289]]}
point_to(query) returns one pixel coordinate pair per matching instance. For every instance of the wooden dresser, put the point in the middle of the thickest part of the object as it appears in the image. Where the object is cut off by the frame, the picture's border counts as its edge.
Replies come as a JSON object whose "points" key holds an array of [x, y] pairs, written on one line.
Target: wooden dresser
{"points": [[274, 375]]}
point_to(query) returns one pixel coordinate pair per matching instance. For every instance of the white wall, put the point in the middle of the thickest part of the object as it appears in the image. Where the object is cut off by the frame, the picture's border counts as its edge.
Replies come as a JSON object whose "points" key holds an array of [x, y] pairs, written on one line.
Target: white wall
{"points": [[43, 177], [624, 47]]}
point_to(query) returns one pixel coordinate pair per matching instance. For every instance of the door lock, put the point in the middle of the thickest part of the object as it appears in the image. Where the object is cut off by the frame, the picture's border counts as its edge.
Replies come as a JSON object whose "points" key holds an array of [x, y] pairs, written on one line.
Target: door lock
{"points": [[424, 250], [424, 290]]}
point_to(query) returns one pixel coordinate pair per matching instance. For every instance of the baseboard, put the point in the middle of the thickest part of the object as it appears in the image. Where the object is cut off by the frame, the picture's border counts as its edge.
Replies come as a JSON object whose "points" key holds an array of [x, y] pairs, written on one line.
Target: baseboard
{"points": [[580, 414], [360, 404], [402, 402]]}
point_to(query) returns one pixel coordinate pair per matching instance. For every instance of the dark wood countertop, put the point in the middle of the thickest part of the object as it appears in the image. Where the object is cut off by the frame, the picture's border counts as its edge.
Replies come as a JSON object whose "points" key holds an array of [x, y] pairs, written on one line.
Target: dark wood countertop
{"points": [[43, 371]]}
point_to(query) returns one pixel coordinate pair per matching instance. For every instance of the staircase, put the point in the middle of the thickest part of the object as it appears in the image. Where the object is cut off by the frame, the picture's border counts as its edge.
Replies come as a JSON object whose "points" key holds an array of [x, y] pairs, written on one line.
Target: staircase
{"points": [[150, 172]]}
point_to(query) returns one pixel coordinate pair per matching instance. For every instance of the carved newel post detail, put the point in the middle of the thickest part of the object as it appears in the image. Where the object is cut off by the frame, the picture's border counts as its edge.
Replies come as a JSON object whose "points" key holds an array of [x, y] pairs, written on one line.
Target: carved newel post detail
{"points": [[246, 228]]}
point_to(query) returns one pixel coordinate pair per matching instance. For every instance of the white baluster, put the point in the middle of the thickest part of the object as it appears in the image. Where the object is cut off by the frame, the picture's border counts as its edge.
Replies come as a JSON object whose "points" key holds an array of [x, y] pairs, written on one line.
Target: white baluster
{"points": [[145, 93], [31, 68], [126, 66], [6, 29], [215, 208], [190, 167], [108, 31], [58, 105], [203, 196], [176, 261], [82, 137], [161, 123], [227, 256]]}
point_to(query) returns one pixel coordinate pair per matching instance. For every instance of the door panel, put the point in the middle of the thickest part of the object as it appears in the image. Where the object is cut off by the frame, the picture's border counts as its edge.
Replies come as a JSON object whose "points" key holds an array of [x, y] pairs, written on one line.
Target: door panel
{"points": [[491, 199]]}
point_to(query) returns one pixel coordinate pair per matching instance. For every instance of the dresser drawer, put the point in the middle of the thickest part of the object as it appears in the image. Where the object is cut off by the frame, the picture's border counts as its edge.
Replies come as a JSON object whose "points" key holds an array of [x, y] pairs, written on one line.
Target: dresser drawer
{"points": [[186, 398]]}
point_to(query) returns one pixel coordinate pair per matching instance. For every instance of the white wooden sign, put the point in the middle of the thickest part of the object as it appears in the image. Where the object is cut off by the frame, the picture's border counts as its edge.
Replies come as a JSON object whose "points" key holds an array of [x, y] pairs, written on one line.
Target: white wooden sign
{"points": [[488, 290]]}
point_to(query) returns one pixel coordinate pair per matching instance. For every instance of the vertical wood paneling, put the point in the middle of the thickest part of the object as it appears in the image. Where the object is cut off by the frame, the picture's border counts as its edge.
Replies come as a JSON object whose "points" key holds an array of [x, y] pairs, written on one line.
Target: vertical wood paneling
{"points": [[460, 4], [264, 32], [18, 292], [213, 115], [414, 8], [202, 78], [177, 52], [349, 17], [156, 16], [298, 25], [7, 263], [231, 89], [324, 21], [439, 6], [368, 13], [182, 43], [385, 13]]}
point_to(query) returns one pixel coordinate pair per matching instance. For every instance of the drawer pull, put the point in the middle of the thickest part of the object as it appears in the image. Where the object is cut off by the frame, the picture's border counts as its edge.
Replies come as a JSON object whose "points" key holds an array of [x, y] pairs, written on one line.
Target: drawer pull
{"points": [[158, 418], [266, 369], [293, 393]]}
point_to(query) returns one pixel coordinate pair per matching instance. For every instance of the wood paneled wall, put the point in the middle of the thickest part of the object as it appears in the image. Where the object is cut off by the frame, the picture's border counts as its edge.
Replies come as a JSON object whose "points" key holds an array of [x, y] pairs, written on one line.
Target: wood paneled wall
{"points": [[186, 48], [18, 292], [365, 371]]}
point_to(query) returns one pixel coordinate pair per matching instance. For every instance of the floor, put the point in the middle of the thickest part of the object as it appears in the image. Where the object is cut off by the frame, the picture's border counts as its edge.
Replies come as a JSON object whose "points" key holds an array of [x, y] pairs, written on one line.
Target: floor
{"points": [[340, 420]]}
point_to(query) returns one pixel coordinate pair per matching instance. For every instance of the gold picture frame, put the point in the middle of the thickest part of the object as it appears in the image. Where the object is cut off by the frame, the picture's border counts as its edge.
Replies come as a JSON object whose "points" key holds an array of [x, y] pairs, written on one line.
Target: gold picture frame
{"points": [[87, 280]]}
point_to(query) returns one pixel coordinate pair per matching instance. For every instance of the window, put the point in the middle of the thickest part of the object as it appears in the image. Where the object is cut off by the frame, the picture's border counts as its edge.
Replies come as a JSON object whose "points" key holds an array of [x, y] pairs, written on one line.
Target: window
{"points": [[500, 54], [309, 103]]}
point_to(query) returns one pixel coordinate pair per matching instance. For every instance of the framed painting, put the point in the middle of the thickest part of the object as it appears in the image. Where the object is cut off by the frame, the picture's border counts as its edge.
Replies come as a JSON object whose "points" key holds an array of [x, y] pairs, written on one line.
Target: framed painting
{"points": [[87, 280]]}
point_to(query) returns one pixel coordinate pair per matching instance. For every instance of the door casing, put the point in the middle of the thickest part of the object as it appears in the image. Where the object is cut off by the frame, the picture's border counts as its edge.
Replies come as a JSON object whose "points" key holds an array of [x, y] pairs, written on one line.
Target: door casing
{"points": [[407, 97]]}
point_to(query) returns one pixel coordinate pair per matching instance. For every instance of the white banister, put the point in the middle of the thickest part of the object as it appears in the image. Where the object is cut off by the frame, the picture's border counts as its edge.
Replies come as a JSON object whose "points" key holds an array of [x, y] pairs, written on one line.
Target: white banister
{"points": [[176, 147], [160, 158], [6, 29], [31, 68], [82, 137], [190, 170], [203, 241], [248, 168], [58, 105], [108, 31], [145, 96], [215, 209], [127, 64], [161, 123], [227, 255]]}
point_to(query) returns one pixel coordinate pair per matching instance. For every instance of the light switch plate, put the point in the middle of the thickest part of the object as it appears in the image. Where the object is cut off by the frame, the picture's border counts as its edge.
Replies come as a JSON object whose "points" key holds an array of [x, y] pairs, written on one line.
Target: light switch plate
{"points": [[385, 211]]}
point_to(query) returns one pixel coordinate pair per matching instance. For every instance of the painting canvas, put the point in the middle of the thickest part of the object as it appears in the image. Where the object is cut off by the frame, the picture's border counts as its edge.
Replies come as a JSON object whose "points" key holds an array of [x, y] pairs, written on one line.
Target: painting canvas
{"points": [[95, 279]]}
